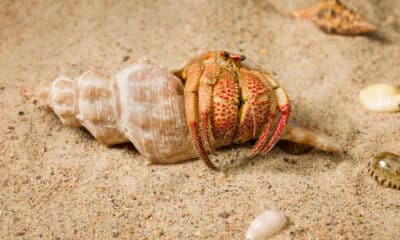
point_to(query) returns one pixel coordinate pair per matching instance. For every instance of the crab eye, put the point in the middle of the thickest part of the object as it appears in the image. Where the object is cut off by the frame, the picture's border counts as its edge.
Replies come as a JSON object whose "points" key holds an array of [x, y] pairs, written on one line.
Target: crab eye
{"points": [[225, 54]]}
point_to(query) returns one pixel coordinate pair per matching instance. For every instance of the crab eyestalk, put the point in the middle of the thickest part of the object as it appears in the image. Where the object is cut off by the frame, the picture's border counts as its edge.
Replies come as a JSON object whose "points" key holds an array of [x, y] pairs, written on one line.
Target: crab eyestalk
{"points": [[232, 56]]}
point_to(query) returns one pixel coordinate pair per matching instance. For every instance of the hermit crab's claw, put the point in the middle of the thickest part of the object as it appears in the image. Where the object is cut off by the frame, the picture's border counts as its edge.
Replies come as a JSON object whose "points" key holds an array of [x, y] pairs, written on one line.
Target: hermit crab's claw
{"points": [[262, 146], [332, 16]]}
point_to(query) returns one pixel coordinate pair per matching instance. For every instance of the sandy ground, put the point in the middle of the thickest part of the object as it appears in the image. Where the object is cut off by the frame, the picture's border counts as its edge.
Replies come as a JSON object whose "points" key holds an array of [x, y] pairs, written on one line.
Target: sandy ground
{"points": [[59, 183]]}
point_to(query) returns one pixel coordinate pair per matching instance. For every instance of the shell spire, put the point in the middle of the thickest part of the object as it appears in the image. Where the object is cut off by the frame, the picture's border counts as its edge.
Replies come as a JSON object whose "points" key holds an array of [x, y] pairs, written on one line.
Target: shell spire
{"points": [[57, 96]]}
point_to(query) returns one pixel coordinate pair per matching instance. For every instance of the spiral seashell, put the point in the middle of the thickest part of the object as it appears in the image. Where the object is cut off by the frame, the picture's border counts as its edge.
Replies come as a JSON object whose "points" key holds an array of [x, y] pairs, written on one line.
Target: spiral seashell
{"points": [[142, 104], [331, 16]]}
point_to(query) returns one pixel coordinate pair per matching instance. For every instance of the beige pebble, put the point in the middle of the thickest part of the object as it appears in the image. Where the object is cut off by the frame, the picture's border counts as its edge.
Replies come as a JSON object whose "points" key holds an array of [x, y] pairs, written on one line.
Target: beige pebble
{"points": [[381, 98], [266, 225]]}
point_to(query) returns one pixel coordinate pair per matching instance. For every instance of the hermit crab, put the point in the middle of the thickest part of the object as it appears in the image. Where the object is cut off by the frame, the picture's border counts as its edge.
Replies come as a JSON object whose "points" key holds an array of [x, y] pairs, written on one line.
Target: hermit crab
{"points": [[215, 99]]}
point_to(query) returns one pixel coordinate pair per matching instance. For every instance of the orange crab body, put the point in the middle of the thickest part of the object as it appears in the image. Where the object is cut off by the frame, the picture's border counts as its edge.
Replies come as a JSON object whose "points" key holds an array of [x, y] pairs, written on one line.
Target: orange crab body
{"points": [[228, 101]]}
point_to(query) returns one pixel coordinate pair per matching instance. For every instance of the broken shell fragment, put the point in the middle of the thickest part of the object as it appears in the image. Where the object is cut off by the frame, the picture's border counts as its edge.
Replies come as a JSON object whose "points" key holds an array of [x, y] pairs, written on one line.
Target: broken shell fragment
{"points": [[385, 169], [381, 98], [266, 225]]}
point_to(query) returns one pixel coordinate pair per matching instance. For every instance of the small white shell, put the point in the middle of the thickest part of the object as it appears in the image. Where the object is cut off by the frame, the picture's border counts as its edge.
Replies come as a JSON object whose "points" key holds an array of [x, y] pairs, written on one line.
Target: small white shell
{"points": [[381, 98], [266, 225]]}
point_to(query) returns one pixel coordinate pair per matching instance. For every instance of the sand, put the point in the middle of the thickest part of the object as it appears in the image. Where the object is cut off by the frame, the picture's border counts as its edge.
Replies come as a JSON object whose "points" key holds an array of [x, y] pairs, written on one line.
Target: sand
{"points": [[59, 183]]}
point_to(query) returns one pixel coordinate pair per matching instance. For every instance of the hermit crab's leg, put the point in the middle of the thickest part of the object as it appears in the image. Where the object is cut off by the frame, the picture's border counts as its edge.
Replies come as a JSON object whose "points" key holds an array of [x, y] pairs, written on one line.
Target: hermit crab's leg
{"points": [[267, 128], [284, 109], [207, 81], [191, 107]]}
